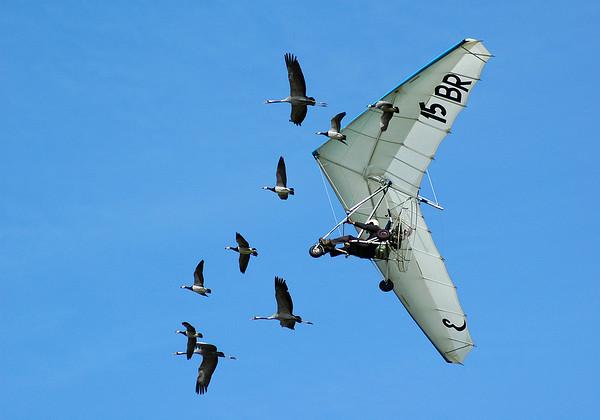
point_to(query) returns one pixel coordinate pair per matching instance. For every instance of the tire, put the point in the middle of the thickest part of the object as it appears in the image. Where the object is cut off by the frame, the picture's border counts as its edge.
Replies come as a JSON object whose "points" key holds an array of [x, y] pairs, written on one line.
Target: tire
{"points": [[316, 251], [386, 285], [383, 235]]}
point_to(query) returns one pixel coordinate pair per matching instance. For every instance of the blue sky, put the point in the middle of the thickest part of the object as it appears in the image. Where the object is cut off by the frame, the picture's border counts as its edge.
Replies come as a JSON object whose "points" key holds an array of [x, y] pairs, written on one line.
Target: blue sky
{"points": [[135, 142]]}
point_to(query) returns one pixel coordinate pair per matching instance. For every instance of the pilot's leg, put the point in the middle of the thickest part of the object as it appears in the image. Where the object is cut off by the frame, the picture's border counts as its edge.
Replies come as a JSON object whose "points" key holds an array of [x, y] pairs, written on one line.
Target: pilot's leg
{"points": [[342, 239]]}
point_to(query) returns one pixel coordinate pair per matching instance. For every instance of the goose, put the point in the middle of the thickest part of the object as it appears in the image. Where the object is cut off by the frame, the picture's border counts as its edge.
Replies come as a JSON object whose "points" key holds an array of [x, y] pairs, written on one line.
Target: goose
{"points": [[281, 188], [198, 285], [192, 336], [388, 110], [285, 307], [334, 131], [297, 96], [244, 250], [205, 348]]}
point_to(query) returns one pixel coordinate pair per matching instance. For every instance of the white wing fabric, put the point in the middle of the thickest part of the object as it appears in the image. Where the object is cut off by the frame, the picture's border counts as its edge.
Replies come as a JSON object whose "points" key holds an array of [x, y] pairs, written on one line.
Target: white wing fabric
{"points": [[429, 102]]}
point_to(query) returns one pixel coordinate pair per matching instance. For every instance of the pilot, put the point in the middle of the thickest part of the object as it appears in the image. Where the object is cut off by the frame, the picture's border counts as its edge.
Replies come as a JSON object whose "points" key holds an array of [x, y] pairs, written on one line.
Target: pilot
{"points": [[352, 244]]}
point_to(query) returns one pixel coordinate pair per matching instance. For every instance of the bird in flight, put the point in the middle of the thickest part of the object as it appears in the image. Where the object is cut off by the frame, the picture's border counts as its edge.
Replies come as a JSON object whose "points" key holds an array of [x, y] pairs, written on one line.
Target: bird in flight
{"points": [[244, 249], [388, 110], [334, 131], [297, 97], [280, 187], [192, 338], [198, 285], [285, 307]]}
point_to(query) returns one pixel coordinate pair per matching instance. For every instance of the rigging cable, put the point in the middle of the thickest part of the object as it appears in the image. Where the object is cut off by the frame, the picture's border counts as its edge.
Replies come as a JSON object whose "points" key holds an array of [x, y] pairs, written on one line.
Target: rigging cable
{"points": [[432, 190], [330, 203]]}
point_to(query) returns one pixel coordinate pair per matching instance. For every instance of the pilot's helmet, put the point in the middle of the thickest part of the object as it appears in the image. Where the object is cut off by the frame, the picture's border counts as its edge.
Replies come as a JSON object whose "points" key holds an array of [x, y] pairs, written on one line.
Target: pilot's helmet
{"points": [[373, 222]]}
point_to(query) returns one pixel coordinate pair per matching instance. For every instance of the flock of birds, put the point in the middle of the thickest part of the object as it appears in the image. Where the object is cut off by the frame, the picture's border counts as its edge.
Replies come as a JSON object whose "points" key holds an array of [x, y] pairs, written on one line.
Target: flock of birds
{"points": [[299, 108]]}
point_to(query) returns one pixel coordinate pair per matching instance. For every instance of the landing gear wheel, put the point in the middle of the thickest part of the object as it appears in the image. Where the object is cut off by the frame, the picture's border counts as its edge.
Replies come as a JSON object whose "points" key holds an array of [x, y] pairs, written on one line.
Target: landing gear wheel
{"points": [[386, 285], [383, 235], [316, 251]]}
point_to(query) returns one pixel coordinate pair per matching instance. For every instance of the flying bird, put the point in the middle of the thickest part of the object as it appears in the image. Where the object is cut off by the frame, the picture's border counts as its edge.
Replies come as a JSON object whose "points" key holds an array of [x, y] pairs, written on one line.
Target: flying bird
{"points": [[210, 359], [334, 131], [281, 188], [243, 248], [297, 96], [192, 336], [285, 307], [198, 285], [388, 109]]}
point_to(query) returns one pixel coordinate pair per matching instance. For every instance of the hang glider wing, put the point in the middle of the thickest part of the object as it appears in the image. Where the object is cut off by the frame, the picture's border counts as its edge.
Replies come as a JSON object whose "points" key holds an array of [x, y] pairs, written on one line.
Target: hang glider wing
{"points": [[428, 103]]}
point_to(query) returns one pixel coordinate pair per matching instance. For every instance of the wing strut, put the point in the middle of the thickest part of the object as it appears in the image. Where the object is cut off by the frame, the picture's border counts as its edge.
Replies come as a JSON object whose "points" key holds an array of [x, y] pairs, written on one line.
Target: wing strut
{"points": [[384, 187]]}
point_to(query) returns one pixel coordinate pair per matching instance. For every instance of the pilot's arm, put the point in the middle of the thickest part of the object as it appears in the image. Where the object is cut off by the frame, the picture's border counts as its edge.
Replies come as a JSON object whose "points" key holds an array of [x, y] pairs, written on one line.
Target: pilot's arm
{"points": [[371, 228]]}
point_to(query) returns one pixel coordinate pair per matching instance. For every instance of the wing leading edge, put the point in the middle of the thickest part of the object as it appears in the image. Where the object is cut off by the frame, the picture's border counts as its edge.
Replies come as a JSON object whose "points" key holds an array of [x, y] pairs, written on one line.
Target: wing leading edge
{"points": [[429, 102]]}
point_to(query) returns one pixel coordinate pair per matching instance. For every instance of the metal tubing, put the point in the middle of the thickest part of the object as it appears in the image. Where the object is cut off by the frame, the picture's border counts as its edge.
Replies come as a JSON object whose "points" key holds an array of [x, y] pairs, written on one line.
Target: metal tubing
{"points": [[354, 208]]}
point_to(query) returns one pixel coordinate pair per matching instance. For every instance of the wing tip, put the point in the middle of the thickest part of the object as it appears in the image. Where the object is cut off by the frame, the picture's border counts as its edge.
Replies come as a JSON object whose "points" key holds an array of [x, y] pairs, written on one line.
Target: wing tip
{"points": [[280, 282]]}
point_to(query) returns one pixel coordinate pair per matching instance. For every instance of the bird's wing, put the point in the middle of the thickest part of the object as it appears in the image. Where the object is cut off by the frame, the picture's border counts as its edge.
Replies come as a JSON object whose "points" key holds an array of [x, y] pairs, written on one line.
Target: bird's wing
{"points": [[336, 121], [288, 323], [189, 327], [284, 300], [205, 372], [191, 345], [281, 175], [241, 241], [198, 274], [298, 113], [244, 260], [206, 347], [385, 120], [295, 76]]}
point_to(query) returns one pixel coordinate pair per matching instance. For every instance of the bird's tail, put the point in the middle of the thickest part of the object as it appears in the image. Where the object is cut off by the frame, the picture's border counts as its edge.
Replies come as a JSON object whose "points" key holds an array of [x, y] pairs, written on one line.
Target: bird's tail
{"points": [[291, 191], [208, 291]]}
